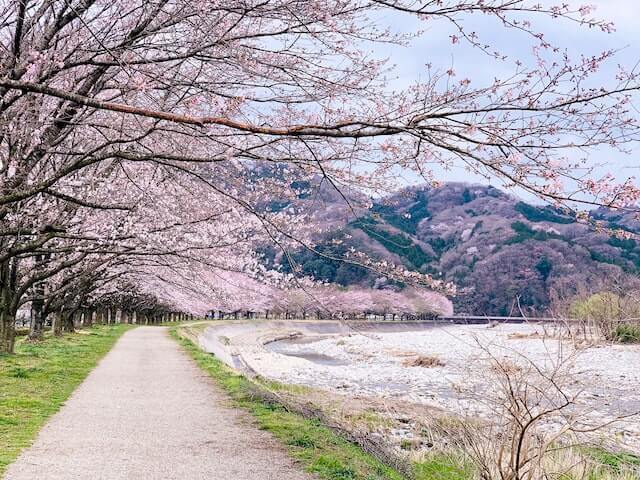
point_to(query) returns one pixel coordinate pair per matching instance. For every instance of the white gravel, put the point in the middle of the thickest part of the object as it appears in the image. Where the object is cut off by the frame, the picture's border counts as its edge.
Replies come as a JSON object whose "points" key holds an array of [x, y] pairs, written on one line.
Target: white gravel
{"points": [[147, 412]]}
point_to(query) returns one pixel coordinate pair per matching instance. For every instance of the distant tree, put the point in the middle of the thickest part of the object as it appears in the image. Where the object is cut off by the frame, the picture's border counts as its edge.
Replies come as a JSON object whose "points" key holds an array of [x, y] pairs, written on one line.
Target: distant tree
{"points": [[544, 267], [542, 214]]}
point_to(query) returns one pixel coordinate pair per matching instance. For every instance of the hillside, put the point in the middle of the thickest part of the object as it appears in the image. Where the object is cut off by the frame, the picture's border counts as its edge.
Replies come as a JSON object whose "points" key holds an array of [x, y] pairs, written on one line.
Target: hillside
{"points": [[500, 251]]}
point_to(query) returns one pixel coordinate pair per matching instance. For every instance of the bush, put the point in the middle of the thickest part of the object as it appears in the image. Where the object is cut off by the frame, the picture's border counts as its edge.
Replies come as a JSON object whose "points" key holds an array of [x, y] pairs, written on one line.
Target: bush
{"points": [[423, 361], [627, 333], [608, 312], [21, 332]]}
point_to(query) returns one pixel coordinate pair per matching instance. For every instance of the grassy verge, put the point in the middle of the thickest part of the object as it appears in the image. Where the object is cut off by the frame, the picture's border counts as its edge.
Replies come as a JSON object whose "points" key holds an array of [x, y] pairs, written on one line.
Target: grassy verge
{"points": [[40, 377], [317, 447], [614, 463]]}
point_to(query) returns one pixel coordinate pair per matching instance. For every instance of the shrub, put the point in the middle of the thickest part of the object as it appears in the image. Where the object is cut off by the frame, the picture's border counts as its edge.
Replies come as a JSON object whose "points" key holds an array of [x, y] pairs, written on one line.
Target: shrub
{"points": [[627, 333], [607, 312]]}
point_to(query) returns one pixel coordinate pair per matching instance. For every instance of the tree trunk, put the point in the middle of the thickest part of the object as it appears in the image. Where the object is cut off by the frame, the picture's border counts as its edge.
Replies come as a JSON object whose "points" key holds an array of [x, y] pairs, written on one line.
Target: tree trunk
{"points": [[67, 322], [36, 329], [57, 324], [88, 318], [7, 331], [8, 305]]}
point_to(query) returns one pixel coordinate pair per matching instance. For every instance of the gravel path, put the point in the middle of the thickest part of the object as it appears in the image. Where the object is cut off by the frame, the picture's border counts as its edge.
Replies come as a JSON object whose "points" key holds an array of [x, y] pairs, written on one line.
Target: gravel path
{"points": [[148, 412]]}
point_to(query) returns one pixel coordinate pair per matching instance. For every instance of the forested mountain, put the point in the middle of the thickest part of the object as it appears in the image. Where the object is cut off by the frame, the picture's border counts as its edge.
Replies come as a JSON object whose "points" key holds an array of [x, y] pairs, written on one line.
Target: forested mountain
{"points": [[503, 254]]}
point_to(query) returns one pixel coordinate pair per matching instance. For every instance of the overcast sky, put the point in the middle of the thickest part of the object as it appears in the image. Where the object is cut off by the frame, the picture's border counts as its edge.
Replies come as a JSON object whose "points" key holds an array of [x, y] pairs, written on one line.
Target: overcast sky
{"points": [[435, 47]]}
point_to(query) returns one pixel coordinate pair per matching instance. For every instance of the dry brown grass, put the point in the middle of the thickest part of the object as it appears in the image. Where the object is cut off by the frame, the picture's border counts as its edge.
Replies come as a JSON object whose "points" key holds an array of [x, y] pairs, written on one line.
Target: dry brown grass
{"points": [[425, 361], [522, 336]]}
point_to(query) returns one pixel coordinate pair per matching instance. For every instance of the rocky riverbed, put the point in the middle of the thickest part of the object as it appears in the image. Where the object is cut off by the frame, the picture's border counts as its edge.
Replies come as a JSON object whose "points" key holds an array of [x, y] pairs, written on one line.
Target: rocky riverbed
{"points": [[444, 367]]}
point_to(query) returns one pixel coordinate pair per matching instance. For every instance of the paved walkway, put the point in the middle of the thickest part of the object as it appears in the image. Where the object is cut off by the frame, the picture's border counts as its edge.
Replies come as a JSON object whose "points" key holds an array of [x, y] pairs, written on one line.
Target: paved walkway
{"points": [[147, 412]]}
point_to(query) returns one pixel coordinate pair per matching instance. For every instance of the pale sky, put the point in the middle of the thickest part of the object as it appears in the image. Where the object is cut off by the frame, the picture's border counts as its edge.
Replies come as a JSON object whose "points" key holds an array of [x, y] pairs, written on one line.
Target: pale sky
{"points": [[435, 47]]}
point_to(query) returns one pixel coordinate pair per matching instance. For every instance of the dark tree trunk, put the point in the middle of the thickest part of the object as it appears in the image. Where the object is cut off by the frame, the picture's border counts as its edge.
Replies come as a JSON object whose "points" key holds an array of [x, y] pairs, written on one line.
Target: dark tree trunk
{"points": [[36, 330], [8, 305], [67, 322], [7, 331]]}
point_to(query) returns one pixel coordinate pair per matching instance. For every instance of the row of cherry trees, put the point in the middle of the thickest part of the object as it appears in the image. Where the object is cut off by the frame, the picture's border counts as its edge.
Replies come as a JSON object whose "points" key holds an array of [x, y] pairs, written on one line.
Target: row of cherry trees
{"points": [[239, 296], [131, 307], [131, 133]]}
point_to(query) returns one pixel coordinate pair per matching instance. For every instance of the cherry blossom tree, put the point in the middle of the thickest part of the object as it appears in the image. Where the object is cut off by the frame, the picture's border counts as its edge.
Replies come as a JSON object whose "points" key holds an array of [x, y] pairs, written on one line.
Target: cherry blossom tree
{"points": [[69, 249], [276, 79], [133, 128]]}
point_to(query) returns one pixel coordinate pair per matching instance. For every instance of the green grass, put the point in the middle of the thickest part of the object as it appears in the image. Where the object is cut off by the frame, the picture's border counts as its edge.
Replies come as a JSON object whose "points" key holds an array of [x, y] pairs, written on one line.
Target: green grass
{"points": [[40, 377], [318, 448], [615, 462], [440, 466]]}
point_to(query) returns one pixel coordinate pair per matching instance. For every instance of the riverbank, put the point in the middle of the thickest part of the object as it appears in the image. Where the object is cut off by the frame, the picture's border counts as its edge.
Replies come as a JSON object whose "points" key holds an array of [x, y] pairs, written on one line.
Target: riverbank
{"points": [[317, 447], [390, 365]]}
